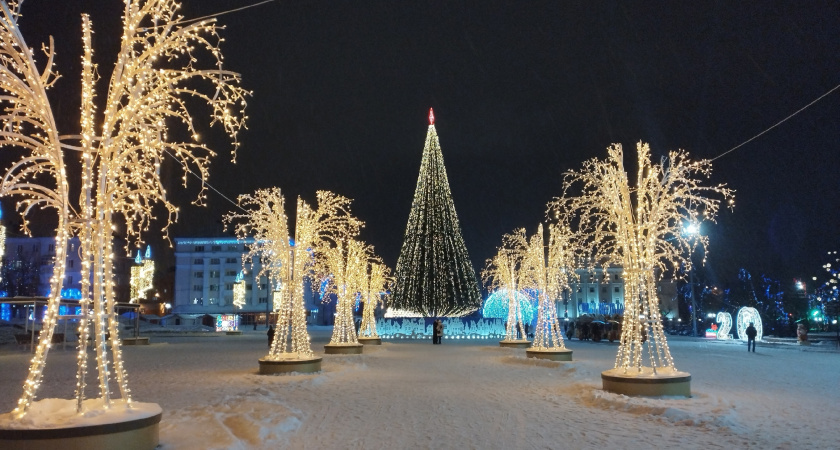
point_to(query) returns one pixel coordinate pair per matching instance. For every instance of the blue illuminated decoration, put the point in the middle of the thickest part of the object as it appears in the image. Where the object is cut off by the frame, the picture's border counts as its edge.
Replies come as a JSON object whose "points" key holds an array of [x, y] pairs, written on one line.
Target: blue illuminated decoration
{"points": [[496, 306], [4, 294], [291, 242], [71, 294], [148, 252], [138, 259], [64, 310], [323, 288], [358, 301], [239, 277], [6, 312]]}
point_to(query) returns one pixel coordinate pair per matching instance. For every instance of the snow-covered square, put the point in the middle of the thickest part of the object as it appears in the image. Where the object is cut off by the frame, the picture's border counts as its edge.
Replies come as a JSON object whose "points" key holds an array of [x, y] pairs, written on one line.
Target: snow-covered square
{"points": [[463, 394]]}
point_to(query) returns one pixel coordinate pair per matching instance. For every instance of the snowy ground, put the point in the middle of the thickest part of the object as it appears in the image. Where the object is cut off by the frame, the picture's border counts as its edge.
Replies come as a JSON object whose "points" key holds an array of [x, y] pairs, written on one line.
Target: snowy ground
{"points": [[463, 394]]}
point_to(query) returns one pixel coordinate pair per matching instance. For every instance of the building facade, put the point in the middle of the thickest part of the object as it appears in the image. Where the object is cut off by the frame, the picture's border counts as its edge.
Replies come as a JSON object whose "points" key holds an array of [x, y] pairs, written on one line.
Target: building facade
{"points": [[31, 261]]}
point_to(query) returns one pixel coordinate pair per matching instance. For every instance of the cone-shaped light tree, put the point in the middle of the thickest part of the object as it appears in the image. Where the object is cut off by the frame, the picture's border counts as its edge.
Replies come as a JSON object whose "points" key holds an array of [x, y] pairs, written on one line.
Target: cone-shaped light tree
{"points": [[639, 227], [374, 286], [550, 277], [506, 271], [434, 275]]}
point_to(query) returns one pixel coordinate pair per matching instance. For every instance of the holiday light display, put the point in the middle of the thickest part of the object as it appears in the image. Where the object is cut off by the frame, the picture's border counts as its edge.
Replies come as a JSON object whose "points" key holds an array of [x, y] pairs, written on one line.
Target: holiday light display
{"points": [[158, 79], [239, 290], [344, 266], [434, 276], [496, 306], [142, 275], [38, 179], [725, 321], [550, 277], [746, 316], [376, 282], [640, 229], [286, 262], [505, 271]]}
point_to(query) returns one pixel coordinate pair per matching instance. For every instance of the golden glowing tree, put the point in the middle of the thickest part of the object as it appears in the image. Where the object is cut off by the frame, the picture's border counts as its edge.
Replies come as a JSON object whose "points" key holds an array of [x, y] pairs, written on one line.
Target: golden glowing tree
{"points": [[344, 268], [38, 178], [374, 284], [157, 81], [550, 277], [505, 271], [639, 227]]}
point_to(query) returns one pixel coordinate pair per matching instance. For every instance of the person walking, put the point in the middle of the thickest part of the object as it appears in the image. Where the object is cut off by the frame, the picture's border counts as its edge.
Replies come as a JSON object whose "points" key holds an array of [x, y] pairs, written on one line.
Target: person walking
{"points": [[439, 331], [270, 334], [751, 332]]}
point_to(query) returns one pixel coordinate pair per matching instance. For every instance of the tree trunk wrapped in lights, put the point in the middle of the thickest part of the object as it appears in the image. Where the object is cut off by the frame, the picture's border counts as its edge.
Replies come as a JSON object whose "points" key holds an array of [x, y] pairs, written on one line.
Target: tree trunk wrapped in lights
{"points": [[157, 81], [506, 271], [287, 262], [434, 275], [376, 282], [38, 178], [344, 267], [550, 278], [640, 228]]}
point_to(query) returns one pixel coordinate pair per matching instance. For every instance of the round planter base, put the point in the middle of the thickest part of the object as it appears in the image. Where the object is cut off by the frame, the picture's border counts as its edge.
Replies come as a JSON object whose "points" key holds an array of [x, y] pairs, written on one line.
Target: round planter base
{"points": [[233, 333], [515, 344], [370, 341], [138, 434], [553, 355], [135, 341], [269, 367], [343, 349], [647, 384]]}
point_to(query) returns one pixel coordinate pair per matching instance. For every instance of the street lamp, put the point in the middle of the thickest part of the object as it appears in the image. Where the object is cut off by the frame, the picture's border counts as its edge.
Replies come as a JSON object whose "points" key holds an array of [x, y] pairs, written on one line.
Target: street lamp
{"points": [[692, 230]]}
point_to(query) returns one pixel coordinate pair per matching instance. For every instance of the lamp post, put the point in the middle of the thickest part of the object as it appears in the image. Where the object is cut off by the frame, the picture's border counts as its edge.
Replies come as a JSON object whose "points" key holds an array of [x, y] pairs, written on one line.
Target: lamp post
{"points": [[692, 230]]}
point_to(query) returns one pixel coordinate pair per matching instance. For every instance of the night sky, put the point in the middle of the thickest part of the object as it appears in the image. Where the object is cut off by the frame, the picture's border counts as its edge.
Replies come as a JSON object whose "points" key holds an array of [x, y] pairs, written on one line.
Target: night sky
{"points": [[522, 92]]}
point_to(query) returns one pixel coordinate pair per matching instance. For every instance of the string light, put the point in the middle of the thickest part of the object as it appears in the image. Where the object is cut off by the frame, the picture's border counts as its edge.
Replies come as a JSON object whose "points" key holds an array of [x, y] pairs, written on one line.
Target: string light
{"points": [[550, 276], [505, 272], [378, 280], [120, 167], [142, 276], [725, 321], [640, 229], [496, 305], [434, 275], [746, 316]]}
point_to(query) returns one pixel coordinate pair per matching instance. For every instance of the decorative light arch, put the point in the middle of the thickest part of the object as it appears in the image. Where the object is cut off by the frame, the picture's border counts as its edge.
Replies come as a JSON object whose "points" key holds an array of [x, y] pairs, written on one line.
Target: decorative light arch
{"points": [[747, 315], [496, 306]]}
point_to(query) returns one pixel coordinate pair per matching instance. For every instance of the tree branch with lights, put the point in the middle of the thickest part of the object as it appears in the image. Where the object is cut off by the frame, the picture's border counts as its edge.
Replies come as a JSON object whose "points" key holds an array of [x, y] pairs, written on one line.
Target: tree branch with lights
{"points": [[506, 271]]}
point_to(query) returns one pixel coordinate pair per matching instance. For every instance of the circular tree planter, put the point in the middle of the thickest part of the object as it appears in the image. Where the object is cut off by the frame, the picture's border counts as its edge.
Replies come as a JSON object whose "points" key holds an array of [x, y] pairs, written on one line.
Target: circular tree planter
{"points": [[135, 341], [370, 341], [559, 354], [343, 349], [520, 343], [647, 384], [136, 430], [233, 333], [270, 367]]}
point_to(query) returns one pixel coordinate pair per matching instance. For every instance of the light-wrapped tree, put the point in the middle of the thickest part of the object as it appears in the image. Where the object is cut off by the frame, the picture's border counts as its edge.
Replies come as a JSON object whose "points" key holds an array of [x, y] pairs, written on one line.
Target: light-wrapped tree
{"points": [[639, 227], [550, 277], [375, 283], [505, 271]]}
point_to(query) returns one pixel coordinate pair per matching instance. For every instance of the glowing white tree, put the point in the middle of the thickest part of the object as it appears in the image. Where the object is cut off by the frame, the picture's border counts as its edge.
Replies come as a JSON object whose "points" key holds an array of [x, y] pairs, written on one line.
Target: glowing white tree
{"points": [[640, 228], [505, 271], [376, 282], [156, 82], [550, 277], [38, 178], [344, 268]]}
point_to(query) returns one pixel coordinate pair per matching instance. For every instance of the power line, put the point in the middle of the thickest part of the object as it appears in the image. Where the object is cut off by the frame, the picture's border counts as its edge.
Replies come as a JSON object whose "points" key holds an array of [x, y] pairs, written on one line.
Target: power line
{"points": [[204, 182], [777, 124], [226, 12]]}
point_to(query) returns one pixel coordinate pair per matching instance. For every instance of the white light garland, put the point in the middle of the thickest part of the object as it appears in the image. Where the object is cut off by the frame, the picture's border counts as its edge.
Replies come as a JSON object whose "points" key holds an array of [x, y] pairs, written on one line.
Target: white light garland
{"points": [[639, 228], [725, 321], [505, 271], [746, 316]]}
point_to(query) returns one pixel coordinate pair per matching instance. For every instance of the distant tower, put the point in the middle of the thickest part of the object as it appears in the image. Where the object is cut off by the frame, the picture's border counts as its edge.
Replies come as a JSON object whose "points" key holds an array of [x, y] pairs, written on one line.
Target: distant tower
{"points": [[434, 275]]}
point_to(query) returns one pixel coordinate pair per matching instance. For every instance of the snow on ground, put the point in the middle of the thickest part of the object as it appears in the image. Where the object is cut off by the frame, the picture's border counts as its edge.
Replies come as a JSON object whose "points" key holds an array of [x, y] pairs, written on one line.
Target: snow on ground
{"points": [[462, 394]]}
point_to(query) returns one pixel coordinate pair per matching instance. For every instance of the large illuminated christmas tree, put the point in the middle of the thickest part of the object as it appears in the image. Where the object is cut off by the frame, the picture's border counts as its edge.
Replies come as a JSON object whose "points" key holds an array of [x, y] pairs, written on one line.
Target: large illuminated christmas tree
{"points": [[434, 275]]}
